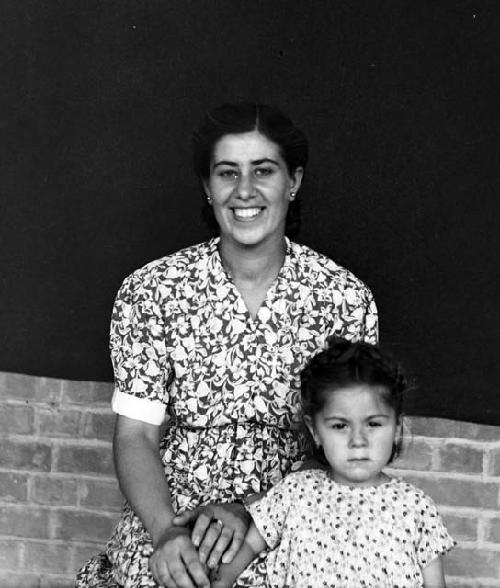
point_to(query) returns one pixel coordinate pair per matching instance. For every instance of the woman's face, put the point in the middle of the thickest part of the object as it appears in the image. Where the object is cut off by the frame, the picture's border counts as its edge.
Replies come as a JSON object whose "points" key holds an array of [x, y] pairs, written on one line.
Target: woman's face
{"points": [[250, 186]]}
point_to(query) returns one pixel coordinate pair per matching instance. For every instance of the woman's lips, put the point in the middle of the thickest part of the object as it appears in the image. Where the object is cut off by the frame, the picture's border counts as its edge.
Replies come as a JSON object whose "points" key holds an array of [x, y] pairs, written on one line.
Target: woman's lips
{"points": [[246, 214]]}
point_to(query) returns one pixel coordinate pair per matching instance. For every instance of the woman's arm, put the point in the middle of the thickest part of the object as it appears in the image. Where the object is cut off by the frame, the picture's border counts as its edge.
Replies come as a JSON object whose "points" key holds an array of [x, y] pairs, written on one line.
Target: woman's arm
{"points": [[142, 481], [227, 573], [433, 574]]}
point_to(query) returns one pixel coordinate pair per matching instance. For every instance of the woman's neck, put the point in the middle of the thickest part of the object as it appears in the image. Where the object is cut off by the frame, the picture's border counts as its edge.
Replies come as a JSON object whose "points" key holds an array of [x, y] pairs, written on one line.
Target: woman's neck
{"points": [[253, 264]]}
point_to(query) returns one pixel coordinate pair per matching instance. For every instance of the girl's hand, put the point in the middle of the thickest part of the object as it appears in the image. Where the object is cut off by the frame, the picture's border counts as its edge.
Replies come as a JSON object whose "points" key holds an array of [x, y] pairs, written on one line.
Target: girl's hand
{"points": [[175, 562], [218, 530]]}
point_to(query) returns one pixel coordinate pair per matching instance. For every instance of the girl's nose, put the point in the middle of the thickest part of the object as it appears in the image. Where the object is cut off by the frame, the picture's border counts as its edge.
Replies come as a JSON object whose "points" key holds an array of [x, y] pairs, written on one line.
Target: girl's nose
{"points": [[358, 437]]}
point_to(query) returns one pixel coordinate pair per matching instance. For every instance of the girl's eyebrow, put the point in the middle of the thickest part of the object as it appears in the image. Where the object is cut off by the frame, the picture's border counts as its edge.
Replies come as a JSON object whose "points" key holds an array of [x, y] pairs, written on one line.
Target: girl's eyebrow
{"points": [[254, 162], [367, 418]]}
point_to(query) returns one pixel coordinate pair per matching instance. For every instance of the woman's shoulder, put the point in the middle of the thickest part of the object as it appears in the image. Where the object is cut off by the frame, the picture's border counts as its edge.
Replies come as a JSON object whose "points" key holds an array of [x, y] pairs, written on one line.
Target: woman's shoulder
{"points": [[318, 268], [175, 265]]}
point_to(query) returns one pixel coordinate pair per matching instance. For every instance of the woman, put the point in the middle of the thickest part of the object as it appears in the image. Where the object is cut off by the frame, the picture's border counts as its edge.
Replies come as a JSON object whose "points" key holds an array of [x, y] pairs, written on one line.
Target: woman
{"points": [[213, 337]]}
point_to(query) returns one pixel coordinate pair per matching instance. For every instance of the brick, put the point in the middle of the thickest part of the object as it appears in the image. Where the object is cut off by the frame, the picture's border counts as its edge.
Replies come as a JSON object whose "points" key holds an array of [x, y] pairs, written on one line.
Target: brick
{"points": [[416, 455], [101, 494], [82, 553], [457, 492], [59, 423], [23, 387], [51, 490], [472, 563], [10, 554], [26, 455], [81, 459], [87, 393], [13, 487], [19, 580], [98, 426], [18, 419], [448, 429], [494, 459], [493, 530], [44, 556], [83, 526], [461, 528], [52, 581], [454, 457], [23, 521]]}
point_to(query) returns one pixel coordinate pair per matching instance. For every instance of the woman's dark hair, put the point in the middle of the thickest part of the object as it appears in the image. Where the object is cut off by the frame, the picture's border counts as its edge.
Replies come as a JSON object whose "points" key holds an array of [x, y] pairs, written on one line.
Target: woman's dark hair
{"points": [[245, 117], [345, 363]]}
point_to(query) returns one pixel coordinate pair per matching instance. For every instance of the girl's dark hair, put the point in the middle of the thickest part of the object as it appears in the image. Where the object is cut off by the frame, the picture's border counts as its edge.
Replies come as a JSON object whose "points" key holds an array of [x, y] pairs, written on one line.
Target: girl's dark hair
{"points": [[245, 117], [345, 363]]}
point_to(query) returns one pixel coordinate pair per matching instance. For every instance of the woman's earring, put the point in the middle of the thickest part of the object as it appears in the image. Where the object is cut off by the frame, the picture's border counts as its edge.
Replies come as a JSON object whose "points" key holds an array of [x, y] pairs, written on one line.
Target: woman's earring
{"points": [[292, 196], [209, 199]]}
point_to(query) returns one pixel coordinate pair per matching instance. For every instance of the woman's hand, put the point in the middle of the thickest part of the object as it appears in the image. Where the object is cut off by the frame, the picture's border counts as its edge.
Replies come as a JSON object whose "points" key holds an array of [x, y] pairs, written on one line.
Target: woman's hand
{"points": [[175, 562], [218, 530]]}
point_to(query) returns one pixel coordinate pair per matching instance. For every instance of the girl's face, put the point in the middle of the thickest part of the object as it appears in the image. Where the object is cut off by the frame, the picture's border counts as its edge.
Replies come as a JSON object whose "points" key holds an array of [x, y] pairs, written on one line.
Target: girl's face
{"points": [[356, 429], [250, 187]]}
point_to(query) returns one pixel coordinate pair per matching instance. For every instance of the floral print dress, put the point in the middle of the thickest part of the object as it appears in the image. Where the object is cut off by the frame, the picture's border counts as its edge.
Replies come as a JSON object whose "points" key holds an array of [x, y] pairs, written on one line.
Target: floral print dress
{"points": [[327, 534], [186, 350]]}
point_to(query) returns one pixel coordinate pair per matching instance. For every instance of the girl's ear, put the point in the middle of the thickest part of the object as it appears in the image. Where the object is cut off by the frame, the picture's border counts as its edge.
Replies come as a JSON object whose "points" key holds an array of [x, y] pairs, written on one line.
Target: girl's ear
{"points": [[310, 425]]}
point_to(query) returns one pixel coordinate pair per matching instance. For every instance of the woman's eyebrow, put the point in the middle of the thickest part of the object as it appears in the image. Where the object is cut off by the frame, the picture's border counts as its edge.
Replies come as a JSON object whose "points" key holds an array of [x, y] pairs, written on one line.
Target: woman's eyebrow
{"points": [[225, 162], [264, 160]]}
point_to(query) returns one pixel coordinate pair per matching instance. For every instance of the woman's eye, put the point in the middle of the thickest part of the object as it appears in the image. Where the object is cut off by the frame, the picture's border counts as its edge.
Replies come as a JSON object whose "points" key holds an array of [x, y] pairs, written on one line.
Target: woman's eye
{"points": [[374, 424], [264, 171], [227, 173]]}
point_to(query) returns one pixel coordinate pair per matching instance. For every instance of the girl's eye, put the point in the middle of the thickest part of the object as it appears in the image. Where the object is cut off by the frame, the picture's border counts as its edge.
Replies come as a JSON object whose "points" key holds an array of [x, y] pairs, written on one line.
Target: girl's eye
{"points": [[338, 426], [374, 424]]}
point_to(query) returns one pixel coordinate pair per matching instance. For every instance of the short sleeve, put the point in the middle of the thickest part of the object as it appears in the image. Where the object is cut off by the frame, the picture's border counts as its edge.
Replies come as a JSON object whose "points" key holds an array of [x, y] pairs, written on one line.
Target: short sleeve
{"points": [[370, 324], [269, 513], [433, 538], [138, 352]]}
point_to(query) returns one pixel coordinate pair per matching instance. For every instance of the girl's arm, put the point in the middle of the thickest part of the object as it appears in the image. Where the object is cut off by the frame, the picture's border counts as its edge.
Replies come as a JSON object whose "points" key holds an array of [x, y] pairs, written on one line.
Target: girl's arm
{"points": [[433, 574], [252, 545], [142, 480]]}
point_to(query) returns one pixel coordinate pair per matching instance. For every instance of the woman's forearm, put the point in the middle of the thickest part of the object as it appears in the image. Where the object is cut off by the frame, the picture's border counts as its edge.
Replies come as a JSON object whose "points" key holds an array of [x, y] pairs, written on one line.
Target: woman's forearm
{"points": [[141, 475]]}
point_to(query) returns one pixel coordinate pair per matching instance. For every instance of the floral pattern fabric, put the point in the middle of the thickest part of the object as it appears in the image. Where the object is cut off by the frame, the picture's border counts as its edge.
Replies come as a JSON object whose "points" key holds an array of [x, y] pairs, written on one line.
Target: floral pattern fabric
{"points": [[183, 342], [326, 534]]}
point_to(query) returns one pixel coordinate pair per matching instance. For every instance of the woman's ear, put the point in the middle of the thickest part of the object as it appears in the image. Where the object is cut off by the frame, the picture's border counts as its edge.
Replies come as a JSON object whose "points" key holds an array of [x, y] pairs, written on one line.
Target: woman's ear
{"points": [[206, 189], [296, 178], [310, 426]]}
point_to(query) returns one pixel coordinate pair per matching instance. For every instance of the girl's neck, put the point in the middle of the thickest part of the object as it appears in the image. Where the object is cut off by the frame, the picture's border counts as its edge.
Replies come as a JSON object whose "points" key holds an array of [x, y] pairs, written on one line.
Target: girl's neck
{"points": [[378, 480], [253, 264]]}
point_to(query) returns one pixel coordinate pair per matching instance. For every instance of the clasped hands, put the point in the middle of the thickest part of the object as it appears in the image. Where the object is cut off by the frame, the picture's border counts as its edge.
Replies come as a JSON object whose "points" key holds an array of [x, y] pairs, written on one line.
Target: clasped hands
{"points": [[199, 539]]}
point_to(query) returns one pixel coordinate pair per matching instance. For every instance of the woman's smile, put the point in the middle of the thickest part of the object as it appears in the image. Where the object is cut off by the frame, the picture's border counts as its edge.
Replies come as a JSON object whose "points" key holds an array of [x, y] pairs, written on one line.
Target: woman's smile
{"points": [[247, 214]]}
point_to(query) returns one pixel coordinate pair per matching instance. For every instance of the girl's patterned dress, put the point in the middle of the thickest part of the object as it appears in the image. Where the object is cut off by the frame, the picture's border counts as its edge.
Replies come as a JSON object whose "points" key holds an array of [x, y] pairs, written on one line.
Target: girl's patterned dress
{"points": [[327, 534], [184, 348]]}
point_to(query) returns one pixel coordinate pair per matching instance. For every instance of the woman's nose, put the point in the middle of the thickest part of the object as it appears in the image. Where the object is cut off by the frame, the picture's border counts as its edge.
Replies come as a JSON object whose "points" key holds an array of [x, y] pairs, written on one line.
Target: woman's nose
{"points": [[245, 187], [358, 437]]}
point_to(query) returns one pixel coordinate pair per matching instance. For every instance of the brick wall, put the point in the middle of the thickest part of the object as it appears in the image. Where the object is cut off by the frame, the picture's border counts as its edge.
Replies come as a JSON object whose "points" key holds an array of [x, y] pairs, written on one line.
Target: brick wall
{"points": [[59, 498]]}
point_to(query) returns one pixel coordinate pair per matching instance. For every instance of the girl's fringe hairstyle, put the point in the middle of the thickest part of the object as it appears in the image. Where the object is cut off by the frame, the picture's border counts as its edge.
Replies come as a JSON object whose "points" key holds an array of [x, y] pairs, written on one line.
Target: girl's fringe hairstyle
{"points": [[345, 363]]}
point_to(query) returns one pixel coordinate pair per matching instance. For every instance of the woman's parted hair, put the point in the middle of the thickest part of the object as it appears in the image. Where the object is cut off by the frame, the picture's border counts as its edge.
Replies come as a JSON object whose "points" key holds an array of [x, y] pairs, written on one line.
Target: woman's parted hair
{"points": [[245, 117], [345, 363]]}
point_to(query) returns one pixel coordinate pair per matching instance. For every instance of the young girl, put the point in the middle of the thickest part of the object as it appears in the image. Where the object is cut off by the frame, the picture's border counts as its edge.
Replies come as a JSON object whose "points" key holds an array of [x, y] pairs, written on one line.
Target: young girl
{"points": [[349, 525]]}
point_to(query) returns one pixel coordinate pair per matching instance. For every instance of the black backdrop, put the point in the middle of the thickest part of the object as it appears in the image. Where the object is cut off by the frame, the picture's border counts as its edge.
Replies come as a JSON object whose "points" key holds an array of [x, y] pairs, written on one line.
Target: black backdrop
{"points": [[400, 105]]}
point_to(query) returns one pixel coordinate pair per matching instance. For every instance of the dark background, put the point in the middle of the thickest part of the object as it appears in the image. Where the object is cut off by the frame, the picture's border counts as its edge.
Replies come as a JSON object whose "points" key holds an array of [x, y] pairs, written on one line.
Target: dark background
{"points": [[399, 101]]}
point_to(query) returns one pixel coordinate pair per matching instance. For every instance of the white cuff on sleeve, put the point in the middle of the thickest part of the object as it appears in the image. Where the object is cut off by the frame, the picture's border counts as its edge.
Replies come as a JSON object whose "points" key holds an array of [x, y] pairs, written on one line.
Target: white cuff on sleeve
{"points": [[140, 409]]}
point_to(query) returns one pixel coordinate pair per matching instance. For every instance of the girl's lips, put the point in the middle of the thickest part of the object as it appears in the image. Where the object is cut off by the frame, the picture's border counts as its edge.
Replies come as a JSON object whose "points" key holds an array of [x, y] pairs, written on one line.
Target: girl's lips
{"points": [[246, 214]]}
